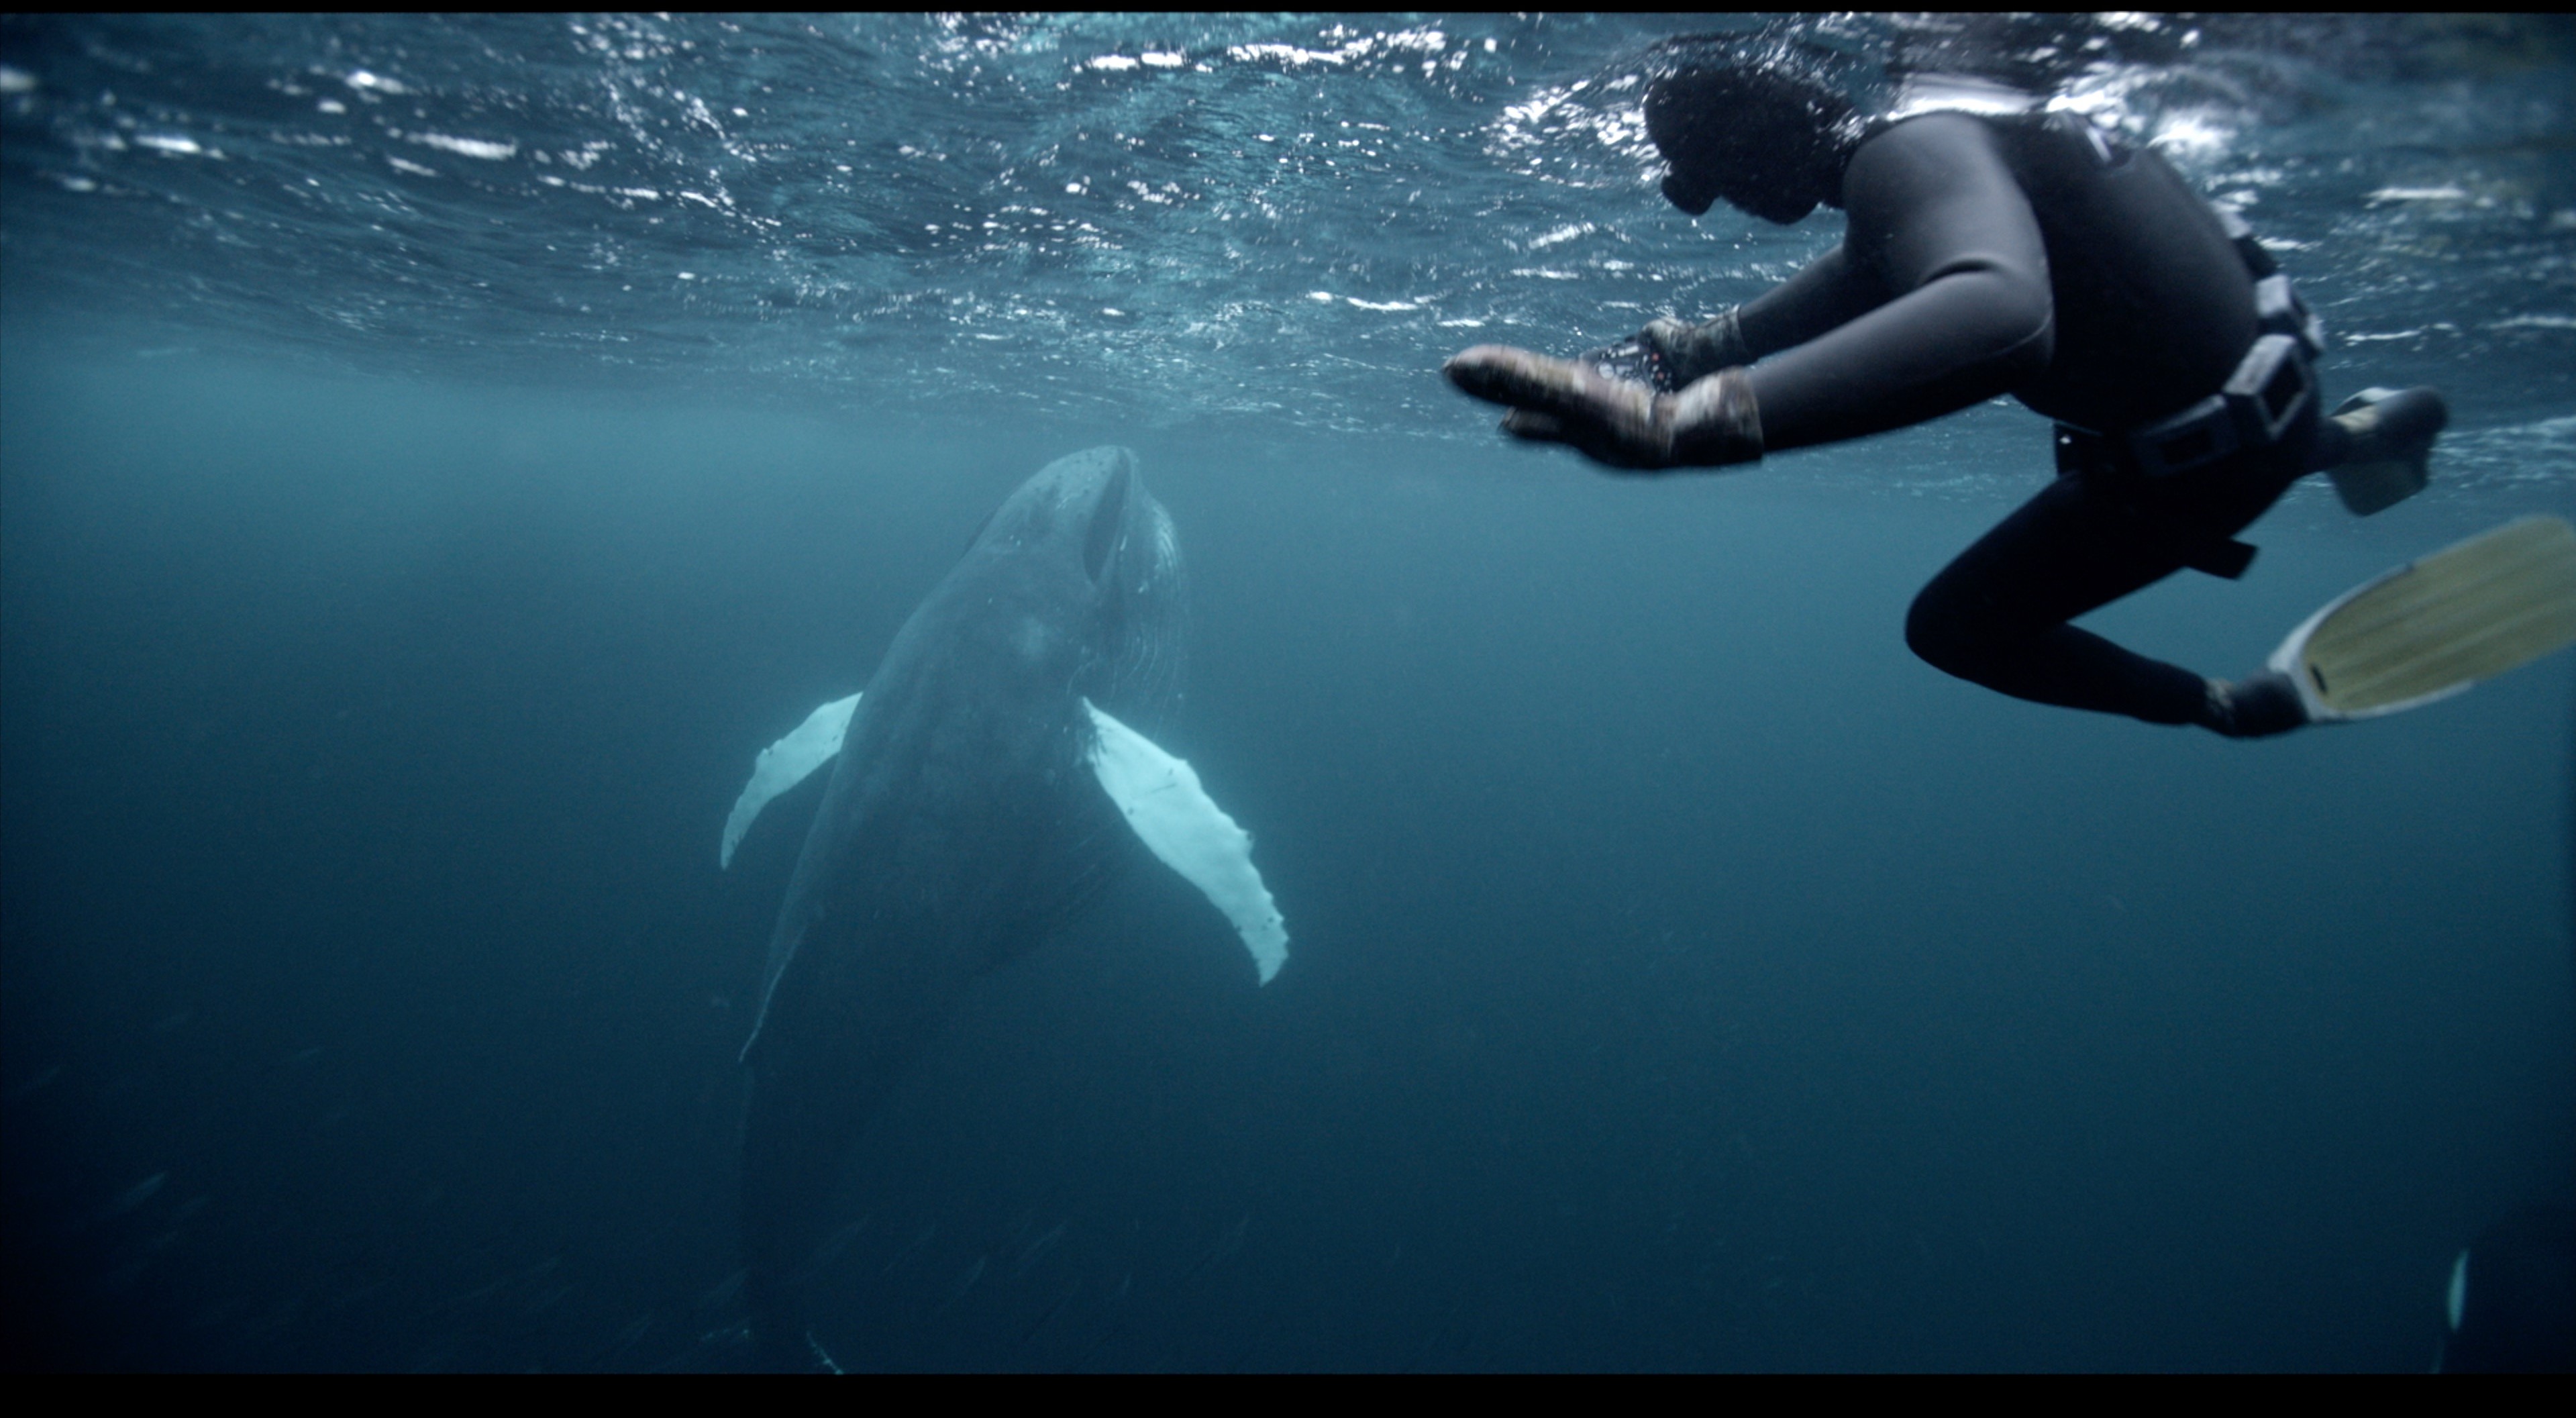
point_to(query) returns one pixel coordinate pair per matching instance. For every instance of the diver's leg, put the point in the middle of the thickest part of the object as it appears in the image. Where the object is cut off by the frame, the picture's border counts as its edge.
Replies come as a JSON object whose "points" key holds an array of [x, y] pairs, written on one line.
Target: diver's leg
{"points": [[1997, 615]]}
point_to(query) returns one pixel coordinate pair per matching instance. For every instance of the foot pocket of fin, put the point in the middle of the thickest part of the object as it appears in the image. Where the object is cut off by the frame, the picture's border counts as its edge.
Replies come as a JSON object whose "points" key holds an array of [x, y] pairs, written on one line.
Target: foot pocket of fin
{"points": [[2391, 432]]}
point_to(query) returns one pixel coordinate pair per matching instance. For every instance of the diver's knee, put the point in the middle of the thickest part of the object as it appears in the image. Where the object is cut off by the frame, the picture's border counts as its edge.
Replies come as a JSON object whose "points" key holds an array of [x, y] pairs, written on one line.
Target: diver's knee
{"points": [[1937, 631]]}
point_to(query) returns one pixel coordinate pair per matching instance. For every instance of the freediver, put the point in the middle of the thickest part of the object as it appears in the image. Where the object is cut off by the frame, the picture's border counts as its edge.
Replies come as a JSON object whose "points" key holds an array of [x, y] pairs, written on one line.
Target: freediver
{"points": [[2023, 252]]}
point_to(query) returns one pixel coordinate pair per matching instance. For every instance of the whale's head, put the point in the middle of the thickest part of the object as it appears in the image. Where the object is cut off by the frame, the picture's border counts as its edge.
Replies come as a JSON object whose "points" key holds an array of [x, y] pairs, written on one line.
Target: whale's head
{"points": [[1089, 513]]}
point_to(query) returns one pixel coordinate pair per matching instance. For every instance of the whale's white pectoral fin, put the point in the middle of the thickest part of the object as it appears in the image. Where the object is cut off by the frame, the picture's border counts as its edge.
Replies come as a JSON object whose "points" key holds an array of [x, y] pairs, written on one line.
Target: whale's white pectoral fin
{"points": [[785, 764], [1176, 818]]}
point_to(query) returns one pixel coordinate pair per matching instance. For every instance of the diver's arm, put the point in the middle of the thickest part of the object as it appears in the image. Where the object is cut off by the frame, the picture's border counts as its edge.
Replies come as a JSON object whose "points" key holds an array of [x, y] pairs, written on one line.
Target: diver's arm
{"points": [[1830, 292], [1936, 215]]}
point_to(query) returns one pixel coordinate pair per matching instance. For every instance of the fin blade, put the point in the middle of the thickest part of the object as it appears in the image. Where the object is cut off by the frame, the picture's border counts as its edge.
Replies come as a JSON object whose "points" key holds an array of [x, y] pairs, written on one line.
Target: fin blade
{"points": [[1172, 814], [785, 764], [2439, 624]]}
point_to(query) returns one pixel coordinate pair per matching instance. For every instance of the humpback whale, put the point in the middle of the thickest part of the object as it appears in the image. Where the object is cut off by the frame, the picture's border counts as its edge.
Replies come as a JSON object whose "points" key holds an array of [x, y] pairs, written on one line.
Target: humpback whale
{"points": [[981, 789]]}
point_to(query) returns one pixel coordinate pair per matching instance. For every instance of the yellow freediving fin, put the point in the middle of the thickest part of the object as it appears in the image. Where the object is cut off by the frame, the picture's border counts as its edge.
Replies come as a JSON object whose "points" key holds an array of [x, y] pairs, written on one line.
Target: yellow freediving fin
{"points": [[2439, 624]]}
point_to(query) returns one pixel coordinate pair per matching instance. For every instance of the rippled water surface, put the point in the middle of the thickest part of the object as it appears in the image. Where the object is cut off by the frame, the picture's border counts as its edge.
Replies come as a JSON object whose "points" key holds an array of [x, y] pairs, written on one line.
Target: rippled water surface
{"points": [[1171, 217], [437, 454]]}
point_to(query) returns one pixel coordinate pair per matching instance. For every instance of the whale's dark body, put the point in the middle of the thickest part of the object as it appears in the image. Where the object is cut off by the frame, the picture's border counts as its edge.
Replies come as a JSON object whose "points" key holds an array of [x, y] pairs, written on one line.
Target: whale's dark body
{"points": [[960, 824]]}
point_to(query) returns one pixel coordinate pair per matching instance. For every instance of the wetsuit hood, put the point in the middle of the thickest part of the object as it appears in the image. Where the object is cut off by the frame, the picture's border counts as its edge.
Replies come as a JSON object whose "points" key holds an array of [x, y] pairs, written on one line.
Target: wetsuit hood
{"points": [[1757, 131]]}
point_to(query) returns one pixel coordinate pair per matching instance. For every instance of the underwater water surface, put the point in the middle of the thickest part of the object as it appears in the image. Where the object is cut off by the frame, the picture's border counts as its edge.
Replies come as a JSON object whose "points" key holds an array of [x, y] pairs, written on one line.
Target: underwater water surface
{"points": [[437, 455]]}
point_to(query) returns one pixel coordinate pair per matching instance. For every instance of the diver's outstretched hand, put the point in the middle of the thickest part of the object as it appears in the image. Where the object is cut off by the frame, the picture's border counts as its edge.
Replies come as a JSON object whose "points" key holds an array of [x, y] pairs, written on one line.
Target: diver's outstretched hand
{"points": [[1617, 422], [1566, 401]]}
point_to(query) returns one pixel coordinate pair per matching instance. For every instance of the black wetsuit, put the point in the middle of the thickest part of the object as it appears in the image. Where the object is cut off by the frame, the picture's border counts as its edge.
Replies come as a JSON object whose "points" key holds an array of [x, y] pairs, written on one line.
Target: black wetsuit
{"points": [[2032, 256]]}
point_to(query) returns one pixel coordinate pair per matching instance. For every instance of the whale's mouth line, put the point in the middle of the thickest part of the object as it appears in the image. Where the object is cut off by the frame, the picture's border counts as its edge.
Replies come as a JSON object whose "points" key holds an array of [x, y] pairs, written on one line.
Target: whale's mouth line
{"points": [[1108, 520]]}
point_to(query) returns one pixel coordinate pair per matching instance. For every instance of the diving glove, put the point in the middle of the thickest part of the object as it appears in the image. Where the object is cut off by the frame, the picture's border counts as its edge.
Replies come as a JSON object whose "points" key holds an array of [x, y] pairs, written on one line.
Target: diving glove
{"points": [[1625, 424], [1688, 353], [2387, 442], [1670, 354]]}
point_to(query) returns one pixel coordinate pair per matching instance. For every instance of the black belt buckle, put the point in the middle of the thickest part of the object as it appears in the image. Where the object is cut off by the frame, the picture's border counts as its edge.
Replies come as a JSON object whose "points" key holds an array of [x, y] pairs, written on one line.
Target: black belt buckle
{"points": [[2073, 457], [2085, 454]]}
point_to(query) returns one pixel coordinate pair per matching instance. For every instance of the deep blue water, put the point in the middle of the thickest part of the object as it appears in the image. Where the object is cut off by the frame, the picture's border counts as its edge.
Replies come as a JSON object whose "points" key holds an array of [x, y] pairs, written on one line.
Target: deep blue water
{"points": [[435, 456]]}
